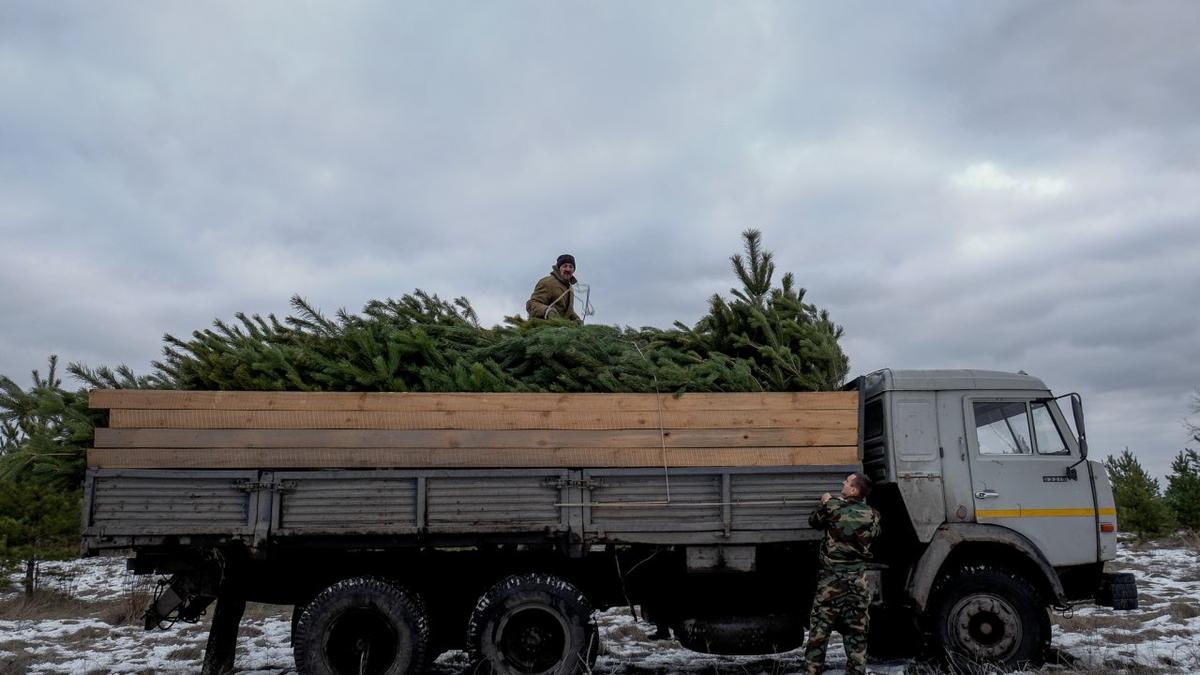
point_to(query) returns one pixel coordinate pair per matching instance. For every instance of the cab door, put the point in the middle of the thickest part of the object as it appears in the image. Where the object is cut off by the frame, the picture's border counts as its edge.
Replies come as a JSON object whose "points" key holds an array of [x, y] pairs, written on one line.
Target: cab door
{"points": [[1019, 452]]}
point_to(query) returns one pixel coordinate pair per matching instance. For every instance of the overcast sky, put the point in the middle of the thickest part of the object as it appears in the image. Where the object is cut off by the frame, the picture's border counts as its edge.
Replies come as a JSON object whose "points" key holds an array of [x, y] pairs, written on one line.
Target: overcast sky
{"points": [[1000, 185]]}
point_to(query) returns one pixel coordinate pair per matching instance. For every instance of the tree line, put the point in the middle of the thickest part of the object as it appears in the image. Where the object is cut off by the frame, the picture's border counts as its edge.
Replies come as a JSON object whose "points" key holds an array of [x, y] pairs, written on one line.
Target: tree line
{"points": [[1143, 507]]}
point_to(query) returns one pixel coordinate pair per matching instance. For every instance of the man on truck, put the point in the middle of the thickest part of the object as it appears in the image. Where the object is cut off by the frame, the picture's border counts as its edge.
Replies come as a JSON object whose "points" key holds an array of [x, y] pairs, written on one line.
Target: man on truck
{"points": [[842, 595], [553, 296]]}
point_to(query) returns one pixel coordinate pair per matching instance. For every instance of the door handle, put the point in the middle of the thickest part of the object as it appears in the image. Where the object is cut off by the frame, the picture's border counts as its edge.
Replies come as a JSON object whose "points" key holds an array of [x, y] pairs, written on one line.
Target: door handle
{"points": [[986, 494]]}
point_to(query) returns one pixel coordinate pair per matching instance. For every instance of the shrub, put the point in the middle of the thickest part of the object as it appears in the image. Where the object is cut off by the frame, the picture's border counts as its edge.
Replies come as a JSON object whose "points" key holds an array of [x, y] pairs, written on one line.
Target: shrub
{"points": [[1183, 489], [1140, 506]]}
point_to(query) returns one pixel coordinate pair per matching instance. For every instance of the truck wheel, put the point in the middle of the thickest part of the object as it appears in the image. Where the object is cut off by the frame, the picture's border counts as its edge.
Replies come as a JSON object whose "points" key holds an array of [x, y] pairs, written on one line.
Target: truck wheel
{"points": [[985, 615], [362, 625], [532, 624]]}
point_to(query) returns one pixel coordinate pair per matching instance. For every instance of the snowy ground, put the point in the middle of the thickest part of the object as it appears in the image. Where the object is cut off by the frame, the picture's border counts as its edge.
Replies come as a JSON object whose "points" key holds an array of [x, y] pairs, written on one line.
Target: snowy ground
{"points": [[1163, 636]]}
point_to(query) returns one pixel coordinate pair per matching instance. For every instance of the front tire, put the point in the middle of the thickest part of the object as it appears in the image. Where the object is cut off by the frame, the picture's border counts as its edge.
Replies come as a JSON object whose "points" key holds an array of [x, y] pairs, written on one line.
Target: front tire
{"points": [[986, 615], [362, 625], [533, 624]]}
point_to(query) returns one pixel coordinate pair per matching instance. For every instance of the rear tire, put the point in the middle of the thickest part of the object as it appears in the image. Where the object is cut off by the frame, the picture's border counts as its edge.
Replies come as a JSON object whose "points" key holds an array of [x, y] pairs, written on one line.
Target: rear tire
{"points": [[986, 615], [533, 624], [362, 625]]}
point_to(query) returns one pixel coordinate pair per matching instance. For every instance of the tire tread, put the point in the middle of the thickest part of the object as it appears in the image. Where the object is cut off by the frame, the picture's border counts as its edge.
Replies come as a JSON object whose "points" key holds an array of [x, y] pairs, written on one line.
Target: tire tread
{"points": [[413, 608]]}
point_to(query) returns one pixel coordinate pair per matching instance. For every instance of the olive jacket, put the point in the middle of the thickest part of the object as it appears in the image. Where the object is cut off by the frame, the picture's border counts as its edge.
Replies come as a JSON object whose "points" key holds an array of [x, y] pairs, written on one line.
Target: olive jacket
{"points": [[850, 526], [552, 292]]}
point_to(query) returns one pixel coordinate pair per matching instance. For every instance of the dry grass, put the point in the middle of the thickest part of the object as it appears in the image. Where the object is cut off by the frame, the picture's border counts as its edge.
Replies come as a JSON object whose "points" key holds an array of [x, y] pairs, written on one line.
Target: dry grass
{"points": [[1193, 575], [628, 631], [59, 604], [1091, 623], [16, 665], [1132, 638], [136, 595], [1114, 666], [1182, 611], [1148, 599], [1182, 539], [259, 610], [44, 604], [85, 634], [129, 608], [1188, 540], [193, 653]]}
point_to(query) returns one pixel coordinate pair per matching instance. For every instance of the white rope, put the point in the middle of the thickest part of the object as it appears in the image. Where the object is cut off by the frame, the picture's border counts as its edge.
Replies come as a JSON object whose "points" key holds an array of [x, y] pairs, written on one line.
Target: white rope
{"points": [[586, 303]]}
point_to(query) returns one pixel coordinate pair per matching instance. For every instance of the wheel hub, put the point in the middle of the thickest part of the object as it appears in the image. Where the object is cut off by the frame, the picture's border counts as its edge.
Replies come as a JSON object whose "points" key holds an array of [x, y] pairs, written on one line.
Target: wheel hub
{"points": [[533, 638], [361, 641], [985, 626]]}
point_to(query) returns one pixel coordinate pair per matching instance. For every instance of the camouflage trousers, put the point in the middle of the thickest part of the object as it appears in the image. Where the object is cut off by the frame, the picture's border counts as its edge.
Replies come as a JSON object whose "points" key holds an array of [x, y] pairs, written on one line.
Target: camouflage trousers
{"points": [[840, 604]]}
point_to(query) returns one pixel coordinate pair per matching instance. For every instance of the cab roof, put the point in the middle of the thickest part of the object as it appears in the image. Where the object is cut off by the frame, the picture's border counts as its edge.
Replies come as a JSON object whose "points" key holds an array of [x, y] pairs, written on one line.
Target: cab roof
{"points": [[888, 379]]}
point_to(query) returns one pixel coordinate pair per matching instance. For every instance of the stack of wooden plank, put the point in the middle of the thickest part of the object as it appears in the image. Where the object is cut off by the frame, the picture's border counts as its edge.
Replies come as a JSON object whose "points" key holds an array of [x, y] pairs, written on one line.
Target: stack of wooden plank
{"points": [[281, 430]]}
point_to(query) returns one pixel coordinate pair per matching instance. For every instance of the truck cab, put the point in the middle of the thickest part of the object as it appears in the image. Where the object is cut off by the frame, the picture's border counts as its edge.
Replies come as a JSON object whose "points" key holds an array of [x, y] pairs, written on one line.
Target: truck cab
{"points": [[992, 511]]}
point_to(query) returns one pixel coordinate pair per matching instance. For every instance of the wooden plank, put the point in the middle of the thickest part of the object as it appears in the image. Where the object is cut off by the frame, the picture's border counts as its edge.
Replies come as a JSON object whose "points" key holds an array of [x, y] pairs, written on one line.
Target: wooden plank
{"points": [[548, 438], [429, 458], [146, 399], [480, 420]]}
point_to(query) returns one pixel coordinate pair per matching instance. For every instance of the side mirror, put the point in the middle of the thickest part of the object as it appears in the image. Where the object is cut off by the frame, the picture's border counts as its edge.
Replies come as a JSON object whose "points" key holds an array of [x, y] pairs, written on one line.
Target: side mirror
{"points": [[1077, 410]]}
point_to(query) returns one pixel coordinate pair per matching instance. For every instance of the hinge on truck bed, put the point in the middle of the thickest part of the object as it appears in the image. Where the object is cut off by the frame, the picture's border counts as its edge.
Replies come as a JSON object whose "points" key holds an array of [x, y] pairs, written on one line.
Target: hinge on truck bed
{"points": [[585, 483], [272, 486]]}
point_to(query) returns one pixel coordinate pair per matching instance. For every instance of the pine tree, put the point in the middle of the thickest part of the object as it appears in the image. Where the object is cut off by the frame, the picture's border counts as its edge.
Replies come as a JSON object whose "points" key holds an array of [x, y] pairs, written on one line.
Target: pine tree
{"points": [[44, 431], [1140, 507], [37, 522], [1183, 489], [43, 435], [790, 344]]}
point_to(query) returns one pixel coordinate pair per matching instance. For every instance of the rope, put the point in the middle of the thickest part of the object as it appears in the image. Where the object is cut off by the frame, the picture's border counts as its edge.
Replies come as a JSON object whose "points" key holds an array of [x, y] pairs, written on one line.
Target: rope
{"points": [[588, 309]]}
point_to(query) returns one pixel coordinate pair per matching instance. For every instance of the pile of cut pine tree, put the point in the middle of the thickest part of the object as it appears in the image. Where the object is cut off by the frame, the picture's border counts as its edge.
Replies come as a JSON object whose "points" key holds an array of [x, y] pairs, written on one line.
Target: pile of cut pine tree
{"points": [[764, 338]]}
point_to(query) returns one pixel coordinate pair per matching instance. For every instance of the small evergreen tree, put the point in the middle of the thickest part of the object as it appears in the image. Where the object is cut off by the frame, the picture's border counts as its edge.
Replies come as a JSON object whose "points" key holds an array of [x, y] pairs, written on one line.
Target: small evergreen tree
{"points": [[37, 522], [1183, 489], [792, 345], [1140, 507], [44, 431]]}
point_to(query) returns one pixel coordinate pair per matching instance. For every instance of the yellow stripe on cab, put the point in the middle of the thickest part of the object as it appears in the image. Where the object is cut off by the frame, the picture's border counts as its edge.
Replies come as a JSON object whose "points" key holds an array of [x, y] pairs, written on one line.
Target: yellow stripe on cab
{"points": [[1042, 513]]}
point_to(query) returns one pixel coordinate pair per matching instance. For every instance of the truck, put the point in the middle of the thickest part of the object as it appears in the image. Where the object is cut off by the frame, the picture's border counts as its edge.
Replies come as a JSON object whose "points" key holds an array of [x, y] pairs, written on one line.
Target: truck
{"points": [[399, 526]]}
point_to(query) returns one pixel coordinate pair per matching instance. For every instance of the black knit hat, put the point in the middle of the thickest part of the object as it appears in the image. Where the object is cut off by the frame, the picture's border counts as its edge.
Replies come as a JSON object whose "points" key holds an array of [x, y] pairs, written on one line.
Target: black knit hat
{"points": [[564, 259]]}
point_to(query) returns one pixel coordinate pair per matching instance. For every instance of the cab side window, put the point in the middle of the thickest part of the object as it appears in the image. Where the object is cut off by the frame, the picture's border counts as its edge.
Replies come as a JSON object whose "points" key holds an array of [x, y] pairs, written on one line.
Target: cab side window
{"points": [[1046, 433], [1002, 428]]}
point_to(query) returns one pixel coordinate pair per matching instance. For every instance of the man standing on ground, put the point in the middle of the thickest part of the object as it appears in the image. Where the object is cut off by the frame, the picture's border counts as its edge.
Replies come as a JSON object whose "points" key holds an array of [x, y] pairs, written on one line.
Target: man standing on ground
{"points": [[553, 295], [842, 594]]}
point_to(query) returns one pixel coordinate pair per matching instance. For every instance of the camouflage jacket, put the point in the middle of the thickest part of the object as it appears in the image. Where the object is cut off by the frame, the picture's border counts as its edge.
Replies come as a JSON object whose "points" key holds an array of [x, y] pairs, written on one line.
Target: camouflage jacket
{"points": [[552, 292], [850, 526]]}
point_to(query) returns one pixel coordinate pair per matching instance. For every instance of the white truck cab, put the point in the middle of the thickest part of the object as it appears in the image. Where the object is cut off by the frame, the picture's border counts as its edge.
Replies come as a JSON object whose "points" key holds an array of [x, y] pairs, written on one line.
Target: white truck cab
{"points": [[993, 511]]}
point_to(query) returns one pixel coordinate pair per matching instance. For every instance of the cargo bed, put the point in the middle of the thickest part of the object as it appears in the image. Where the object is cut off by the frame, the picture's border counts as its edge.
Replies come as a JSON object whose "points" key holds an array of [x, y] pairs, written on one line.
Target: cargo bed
{"points": [[403, 470]]}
